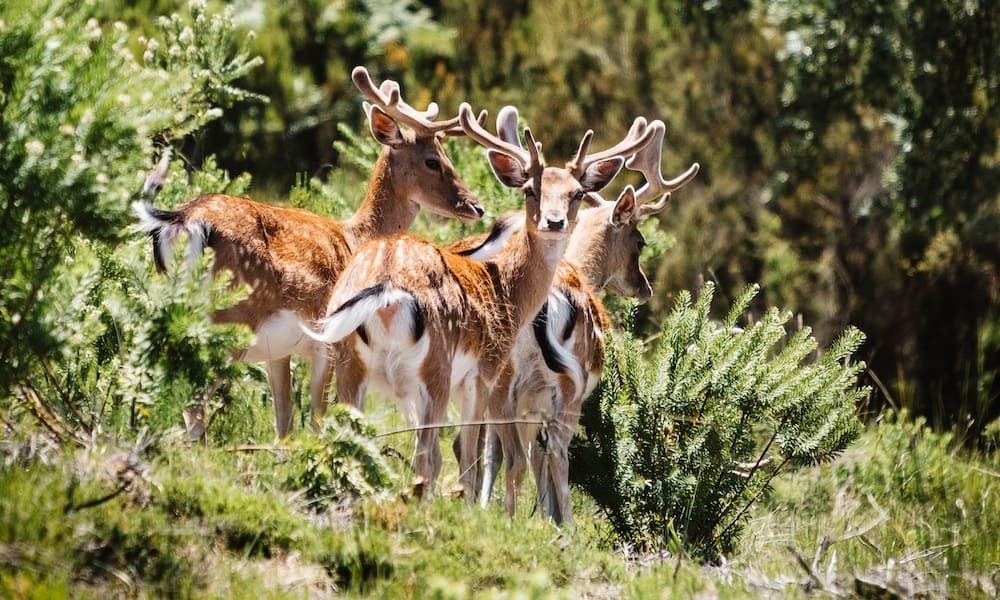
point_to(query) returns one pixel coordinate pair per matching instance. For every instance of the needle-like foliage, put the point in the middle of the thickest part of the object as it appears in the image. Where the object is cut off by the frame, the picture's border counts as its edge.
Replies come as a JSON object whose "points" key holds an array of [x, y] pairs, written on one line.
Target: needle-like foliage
{"points": [[681, 443]]}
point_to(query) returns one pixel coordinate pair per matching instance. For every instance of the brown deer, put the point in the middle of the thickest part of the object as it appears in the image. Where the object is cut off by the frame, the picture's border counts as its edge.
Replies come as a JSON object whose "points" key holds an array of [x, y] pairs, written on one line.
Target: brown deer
{"points": [[422, 323], [290, 258], [556, 363]]}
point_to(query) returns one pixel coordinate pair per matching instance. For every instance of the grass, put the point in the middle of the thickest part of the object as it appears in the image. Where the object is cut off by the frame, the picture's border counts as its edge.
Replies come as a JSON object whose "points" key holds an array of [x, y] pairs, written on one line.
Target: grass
{"points": [[904, 510]]}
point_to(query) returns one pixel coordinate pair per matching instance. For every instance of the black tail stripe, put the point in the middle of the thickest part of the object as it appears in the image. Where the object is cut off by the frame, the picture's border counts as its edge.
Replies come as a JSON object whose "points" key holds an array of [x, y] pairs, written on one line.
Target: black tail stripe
{"points": [[418, 320], [574, 313], [368, 292], [540, 328], [167, 216], [161, 267], [498, 228]]}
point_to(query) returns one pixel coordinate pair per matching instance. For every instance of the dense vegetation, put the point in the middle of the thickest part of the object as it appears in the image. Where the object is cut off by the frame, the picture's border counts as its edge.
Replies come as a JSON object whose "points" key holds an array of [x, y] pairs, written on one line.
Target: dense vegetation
{"points": [[850, 165]]}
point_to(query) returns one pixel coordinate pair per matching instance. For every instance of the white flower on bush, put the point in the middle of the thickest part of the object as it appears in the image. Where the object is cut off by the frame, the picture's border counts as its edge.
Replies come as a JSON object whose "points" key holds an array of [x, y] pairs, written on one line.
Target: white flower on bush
{"points": [[93, 28], [34, 148]]}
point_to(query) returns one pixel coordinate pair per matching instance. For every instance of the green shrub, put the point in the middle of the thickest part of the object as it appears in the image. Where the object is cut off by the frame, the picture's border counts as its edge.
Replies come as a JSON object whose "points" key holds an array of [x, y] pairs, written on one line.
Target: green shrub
{"points": [[90, 340], [681, 444], [341, 461]]}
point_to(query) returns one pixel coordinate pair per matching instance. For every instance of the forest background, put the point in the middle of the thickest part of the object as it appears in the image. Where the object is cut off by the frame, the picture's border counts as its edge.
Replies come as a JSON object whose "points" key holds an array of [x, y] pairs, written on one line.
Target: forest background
{"points": [[849, 149]]}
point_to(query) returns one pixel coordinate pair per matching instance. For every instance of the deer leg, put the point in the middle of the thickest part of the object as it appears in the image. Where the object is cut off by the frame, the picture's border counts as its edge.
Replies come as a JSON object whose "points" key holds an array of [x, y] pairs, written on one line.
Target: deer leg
{"points": [[492, 457], [560, 434], [558, 477], [512, 441], [319, 382], [433, 400], [279, 377], [493, 446], [540, 460], [473, 409], [351, 375]]}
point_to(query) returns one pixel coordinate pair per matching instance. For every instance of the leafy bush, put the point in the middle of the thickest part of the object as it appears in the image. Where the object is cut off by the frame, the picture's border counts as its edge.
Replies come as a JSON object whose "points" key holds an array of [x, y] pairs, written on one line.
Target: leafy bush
{"points": [[678, 447], [89, 340], [341, 461]]}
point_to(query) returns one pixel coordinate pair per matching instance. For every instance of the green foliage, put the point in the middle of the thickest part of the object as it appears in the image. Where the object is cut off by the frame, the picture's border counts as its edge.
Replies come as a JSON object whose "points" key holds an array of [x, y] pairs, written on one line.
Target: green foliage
{"points": [[87, 337], [196, 51], [136, 348], [187, 525], [340, 462], [679, 448]]}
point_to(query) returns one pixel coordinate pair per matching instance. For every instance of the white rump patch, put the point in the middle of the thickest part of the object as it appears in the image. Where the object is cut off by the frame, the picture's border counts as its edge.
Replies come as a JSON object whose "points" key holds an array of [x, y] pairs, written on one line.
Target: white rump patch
{"points": [[280, 336]]}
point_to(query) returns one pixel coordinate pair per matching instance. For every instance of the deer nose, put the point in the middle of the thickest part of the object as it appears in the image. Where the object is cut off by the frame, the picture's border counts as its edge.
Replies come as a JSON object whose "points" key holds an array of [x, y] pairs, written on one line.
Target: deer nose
{"points": [[479, 209], [555, 224]]}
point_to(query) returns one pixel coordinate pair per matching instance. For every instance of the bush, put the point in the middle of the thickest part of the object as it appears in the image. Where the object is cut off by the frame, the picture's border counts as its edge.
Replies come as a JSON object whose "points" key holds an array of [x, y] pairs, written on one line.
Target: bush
{"points": [[680, 445], [90, 340], [341, 461]]}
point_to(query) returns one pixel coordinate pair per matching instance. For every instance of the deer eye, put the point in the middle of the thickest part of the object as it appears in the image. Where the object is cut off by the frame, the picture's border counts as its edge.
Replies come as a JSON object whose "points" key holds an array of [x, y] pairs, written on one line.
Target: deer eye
{"points": [[433, 164]]}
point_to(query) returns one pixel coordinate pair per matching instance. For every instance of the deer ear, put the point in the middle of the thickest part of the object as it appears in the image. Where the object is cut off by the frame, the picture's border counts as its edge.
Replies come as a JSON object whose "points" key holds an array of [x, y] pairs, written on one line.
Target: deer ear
{"points": [[508, 169], [384, 128], [624, 209], [601, 173]]}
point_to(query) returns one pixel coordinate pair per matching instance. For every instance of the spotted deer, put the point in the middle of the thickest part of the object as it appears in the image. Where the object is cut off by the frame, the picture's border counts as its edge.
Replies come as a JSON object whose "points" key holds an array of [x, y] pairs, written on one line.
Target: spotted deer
{"points": [[556, 362], [291, 258], [422, 323]]}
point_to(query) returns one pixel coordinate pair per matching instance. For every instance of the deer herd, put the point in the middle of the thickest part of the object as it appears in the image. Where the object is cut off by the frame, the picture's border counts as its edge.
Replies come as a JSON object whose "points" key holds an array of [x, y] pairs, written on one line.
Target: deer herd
{"points": [[507, 325]]}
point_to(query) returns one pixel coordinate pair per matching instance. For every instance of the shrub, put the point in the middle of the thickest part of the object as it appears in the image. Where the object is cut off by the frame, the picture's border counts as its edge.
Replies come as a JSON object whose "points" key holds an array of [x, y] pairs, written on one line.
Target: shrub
{"points": [[85, 329], [341, 461], [681, 444]]}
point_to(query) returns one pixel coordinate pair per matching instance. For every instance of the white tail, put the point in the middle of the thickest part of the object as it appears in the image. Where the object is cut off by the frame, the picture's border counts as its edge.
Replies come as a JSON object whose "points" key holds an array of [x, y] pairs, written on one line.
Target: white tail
{"points": [[165, 228], [353, 313]]}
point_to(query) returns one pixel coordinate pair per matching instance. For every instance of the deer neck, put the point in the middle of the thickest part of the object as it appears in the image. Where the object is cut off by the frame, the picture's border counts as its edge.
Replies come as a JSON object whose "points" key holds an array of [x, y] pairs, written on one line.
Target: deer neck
{"points": [[589, 258], [382, 212], [525, 271]]}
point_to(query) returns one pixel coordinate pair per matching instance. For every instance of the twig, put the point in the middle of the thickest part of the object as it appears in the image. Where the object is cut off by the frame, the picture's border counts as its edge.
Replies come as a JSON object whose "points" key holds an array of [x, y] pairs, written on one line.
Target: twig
{"points": [[71, 507], [821, 548], [883, 389], [751, 502], [984, 471], [801, 560], [463, 424], [259, 448], [49, 419]]}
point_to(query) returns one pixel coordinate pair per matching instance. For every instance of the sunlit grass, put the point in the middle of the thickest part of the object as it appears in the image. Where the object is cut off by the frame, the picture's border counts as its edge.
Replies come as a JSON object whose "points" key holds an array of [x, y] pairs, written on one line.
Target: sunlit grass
{"points": [[903, 507]]}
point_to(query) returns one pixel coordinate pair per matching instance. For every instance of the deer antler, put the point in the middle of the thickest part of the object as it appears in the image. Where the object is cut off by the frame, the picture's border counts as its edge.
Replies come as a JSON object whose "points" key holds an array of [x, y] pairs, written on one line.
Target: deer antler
{"points": [[647, 162], [638, 137], [530, 159], [387, 97]]}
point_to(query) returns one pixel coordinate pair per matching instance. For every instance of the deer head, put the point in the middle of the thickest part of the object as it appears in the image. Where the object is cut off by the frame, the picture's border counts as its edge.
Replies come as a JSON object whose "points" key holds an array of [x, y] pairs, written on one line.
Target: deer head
{"points": [[610, 243], [422, 172], [552, 195]]}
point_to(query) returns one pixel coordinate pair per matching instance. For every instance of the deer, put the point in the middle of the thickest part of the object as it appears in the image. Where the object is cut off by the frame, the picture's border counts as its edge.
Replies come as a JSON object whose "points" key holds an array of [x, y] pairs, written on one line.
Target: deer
{"points": [[424, 324], [557, 362], [290, 258]]}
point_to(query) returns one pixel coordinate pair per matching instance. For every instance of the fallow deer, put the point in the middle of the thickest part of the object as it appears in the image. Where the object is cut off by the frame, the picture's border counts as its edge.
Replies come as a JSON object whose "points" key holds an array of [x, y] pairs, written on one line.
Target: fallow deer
{"points": [[556, 363], [422, 323], [290, 258]]}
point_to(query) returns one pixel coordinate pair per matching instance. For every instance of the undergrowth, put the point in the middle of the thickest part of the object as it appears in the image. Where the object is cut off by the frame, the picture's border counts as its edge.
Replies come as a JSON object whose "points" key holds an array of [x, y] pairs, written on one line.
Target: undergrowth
{"points": [[905, 510]]}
